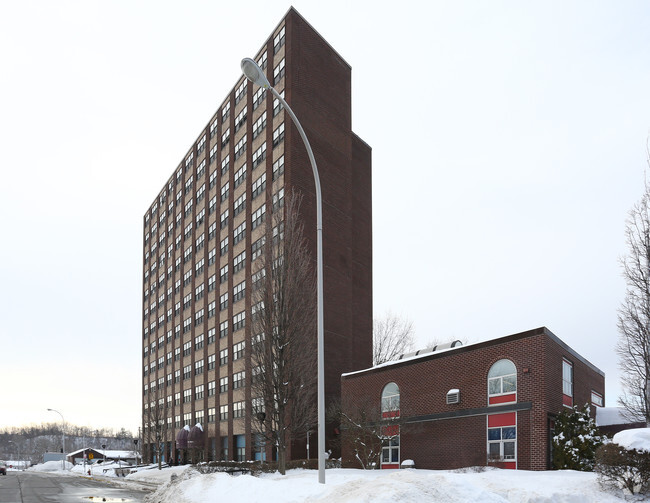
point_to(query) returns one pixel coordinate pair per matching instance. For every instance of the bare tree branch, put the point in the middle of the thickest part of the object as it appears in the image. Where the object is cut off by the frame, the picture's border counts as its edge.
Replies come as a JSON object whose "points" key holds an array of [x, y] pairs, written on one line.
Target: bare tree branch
{"points": [[391, 337], [283, 349]]}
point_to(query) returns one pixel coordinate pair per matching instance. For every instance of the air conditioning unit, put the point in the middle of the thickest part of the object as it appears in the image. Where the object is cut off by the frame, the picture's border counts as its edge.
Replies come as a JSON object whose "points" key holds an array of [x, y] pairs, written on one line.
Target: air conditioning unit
{"points": [[453, 396]]}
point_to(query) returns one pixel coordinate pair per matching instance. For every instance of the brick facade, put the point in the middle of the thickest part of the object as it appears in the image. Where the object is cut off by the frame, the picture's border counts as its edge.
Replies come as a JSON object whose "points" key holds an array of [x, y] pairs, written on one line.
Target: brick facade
{"points": [[437, 435], [203, 188]]}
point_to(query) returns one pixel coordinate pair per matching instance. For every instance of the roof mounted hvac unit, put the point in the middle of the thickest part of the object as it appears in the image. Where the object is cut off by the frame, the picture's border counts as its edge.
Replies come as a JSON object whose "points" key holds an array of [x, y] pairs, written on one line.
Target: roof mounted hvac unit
{"points": [[453, 396]]}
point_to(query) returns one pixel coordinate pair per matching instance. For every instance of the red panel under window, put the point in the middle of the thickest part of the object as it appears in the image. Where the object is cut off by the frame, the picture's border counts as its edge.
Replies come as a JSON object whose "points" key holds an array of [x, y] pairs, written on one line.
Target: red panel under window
{"points": [[391, 430], [390, 413], [392, 466], [567, 400], [503, 399], [510, 465], [505, 419]]}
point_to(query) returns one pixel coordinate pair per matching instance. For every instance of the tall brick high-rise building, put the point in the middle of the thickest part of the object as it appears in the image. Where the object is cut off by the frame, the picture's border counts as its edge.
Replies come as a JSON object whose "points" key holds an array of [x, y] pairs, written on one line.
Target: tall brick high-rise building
{"points": [[202, 237]]}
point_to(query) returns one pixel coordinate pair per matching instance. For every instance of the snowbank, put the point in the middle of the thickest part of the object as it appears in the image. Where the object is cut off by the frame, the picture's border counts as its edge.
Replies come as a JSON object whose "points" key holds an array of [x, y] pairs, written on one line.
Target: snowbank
{"points": [[52, 466], [387, 486], [636, 438]]}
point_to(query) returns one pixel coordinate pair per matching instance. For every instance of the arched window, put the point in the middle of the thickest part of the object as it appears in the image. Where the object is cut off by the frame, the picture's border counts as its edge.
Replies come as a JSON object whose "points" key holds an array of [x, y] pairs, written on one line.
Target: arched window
{"points": [[502, 383], [390, 400]]}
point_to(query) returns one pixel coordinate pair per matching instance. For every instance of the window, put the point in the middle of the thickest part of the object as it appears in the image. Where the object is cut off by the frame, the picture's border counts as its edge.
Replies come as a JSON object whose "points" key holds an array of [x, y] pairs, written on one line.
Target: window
{"points": [[240, 147], [198, 367], [212, 205], [567, 383], [212, 182], [262, 61], [212, 361], [198, 392], [259, 155], [223, 274], [213, 153], [225, 112], [240, 93], [187, 348], [177, 354], [212, 256], [223, 384], [200, 170], [257, 279], [240, 204], [224, 219], [187, 371], [240, 120], [239, 233], [502, 383], [211, 388], [238, 321], [239, 291], [225, 163], [278, 135], [223, 356], [256, 248], [213, 128], [278, 199], [390, 400], [187, 396], [200, 194], [225, 191], [278, 167], [223, 302], [277, 106], [223, 415], [278, 41], [212, 414], [259, 186], [260, 123], [258, 216], [187, 301], [212, 307], [177, 377], [502, 442], [238, 350], [212, 231], [212, 281], [223, 247], [596, 399], [278, 72], [240, 176], [212, 335], [390, 447], [200, 265], [187, 325], [238, 410], [223, 329], [198, 342], [198, 293], [238, 380], [258, 98], [187, 255], [239, 262]]}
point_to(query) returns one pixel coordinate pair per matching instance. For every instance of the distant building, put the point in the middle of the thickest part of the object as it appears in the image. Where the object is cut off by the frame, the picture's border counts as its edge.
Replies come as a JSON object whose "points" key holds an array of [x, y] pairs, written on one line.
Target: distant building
{"points": [[202, 234], [98, 455], [495, 401], [611, 420]]}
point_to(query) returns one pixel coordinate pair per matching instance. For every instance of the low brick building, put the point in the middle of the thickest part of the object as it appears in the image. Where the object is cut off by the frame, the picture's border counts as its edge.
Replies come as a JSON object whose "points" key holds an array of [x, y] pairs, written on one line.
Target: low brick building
{"points": [[494, 402]]}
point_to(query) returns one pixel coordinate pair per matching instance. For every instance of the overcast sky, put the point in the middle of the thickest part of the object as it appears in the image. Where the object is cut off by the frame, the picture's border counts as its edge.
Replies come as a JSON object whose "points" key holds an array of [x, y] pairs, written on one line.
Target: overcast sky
{"points": [[508, 146]]}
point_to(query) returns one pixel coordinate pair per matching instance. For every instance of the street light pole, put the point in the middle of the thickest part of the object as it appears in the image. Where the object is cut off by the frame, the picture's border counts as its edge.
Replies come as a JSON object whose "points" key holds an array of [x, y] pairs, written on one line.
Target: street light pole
{"points": [[62, 436], [255, 74]]}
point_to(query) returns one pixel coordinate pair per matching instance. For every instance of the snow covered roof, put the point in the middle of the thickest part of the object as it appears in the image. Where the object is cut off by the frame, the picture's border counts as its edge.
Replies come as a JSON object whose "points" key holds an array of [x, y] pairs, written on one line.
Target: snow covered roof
{"points": [[606, 416], [109, 453]]}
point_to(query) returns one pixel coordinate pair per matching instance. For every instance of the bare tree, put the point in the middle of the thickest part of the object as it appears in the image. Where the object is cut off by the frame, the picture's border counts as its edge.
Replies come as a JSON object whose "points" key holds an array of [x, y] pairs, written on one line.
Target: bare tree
{"points": [[391, 336], [633, 346], [283, 349], [155, 425]]}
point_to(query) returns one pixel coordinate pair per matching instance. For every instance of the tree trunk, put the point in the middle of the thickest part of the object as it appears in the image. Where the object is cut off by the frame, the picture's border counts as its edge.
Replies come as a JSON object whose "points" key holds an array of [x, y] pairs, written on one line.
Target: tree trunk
{"points": [[282, 459]]}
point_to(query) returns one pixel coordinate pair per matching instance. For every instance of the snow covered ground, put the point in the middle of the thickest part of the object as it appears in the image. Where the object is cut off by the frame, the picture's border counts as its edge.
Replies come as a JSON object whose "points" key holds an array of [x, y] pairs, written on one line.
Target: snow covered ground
{"points": [[378, 486], [485, 485]]}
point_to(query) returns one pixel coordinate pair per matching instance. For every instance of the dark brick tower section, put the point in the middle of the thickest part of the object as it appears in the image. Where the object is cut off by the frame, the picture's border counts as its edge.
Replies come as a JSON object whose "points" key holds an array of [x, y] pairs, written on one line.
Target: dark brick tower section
{"points": [[438, 435], [318, 90]]}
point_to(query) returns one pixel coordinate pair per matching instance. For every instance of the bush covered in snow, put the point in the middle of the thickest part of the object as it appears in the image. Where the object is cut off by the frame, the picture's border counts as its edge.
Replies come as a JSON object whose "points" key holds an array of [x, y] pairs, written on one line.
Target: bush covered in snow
{"points": [[576, 440], [628, 469]]}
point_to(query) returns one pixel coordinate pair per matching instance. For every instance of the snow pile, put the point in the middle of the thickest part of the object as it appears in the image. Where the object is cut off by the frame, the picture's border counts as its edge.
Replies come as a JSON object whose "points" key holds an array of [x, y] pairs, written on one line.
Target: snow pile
{"points": [[151, 473], [637, 438], [487, 485], [52, 466]]}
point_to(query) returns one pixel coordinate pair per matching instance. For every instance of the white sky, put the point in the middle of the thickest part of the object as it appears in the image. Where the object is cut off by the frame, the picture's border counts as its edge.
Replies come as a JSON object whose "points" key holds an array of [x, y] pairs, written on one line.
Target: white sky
{"points": [[508, 146]]}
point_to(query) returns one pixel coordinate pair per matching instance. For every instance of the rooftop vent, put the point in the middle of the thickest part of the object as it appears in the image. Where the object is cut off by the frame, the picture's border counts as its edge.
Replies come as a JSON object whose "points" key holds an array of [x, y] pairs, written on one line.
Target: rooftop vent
{"points": [[437, 347]]}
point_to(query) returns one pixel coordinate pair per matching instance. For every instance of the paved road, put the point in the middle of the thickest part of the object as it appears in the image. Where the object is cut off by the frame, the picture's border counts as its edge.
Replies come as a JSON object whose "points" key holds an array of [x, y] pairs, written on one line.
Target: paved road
{"points": [[36, 487]]}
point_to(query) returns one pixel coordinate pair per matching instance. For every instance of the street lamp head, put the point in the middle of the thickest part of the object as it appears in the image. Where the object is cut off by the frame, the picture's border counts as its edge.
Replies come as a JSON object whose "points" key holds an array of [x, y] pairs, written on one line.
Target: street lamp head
{"points": [[254, 73]]}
